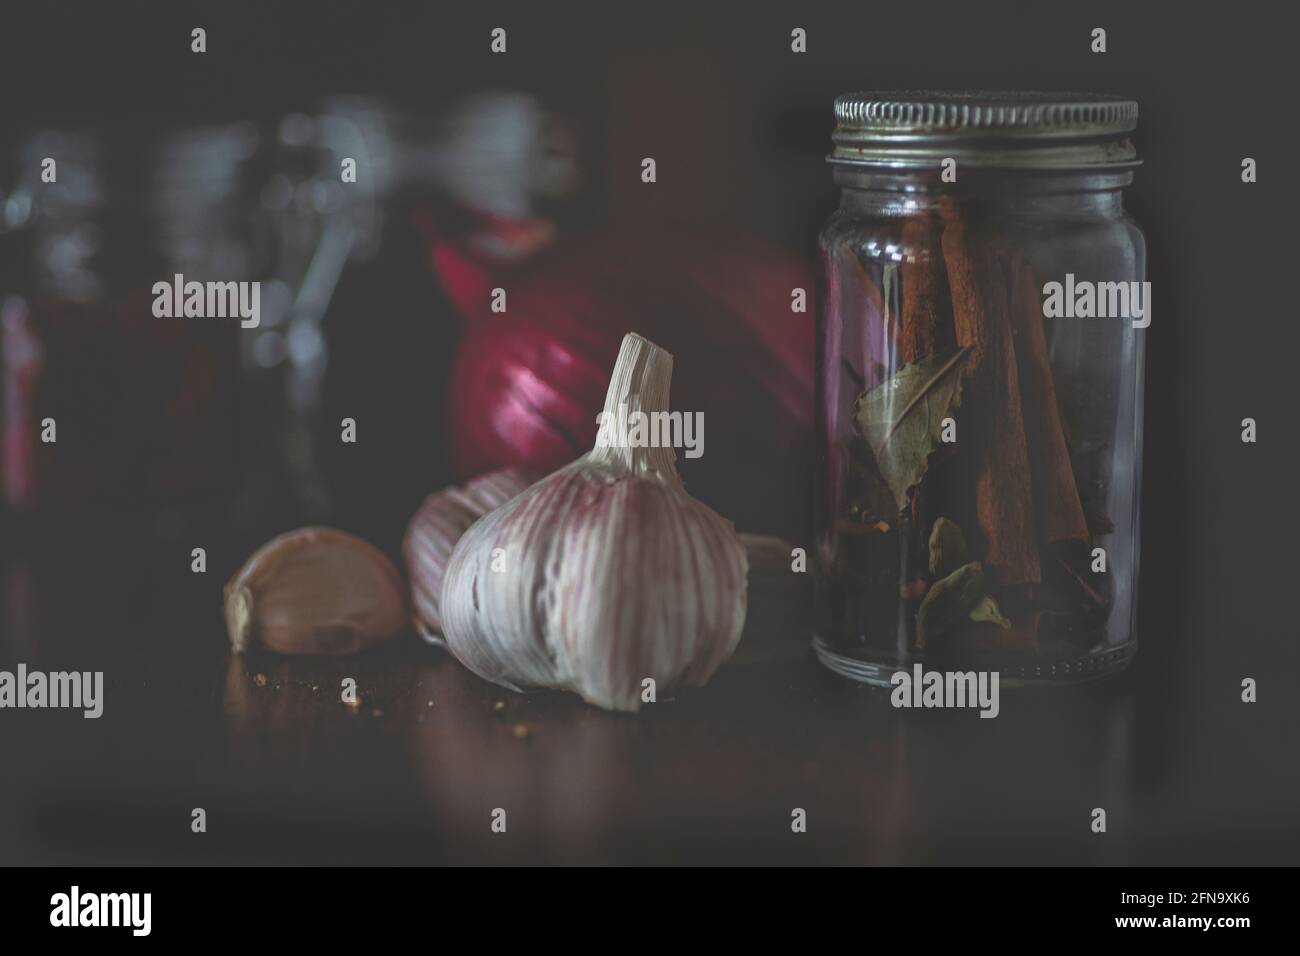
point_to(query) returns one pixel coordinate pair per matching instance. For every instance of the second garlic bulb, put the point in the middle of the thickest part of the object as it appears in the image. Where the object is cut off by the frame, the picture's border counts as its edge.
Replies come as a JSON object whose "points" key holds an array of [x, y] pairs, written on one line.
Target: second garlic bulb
{"points": [[433, 532]]}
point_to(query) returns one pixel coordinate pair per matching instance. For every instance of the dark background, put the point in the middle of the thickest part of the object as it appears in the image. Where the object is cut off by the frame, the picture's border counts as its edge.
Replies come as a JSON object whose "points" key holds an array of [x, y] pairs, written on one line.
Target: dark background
{"points": [[739, 126]]}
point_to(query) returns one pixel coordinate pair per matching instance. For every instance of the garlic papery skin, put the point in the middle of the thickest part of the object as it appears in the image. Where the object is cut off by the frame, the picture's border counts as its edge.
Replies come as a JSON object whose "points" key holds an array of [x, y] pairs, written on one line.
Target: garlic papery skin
{"points": [[315, 591], [603, 575], [434, 531]]}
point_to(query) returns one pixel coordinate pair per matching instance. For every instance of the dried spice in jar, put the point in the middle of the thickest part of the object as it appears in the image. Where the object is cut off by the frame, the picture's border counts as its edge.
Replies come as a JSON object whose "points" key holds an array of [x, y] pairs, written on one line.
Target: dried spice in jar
{"points": [[981, 434]]}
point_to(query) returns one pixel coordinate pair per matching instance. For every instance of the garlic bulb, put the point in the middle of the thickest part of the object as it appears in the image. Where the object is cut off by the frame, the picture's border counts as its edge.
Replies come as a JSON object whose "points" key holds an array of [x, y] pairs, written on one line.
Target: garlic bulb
{"points": [[315, 591], [434, 531], [603, 574]]}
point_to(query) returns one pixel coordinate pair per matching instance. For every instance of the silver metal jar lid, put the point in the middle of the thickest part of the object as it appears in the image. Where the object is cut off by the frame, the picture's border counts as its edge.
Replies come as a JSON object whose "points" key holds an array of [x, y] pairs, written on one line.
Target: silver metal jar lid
{"points": [[918, 130]]}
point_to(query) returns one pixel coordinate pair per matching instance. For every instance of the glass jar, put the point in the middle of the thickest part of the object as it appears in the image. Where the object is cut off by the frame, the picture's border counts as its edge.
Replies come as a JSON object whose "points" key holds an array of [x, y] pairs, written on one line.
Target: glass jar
{"points": [[980, 387]]}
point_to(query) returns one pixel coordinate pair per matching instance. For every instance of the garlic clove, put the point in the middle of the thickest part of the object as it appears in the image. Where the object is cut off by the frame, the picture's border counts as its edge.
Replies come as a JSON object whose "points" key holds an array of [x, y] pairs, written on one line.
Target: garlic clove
{"points": [[602, 575], [315, 591], [434, 531]]}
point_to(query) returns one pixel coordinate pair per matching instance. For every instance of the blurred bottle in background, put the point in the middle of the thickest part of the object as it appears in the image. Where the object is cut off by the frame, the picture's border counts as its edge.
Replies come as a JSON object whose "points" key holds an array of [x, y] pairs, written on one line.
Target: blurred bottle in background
{"points": [[108, 409], [372, 332]]}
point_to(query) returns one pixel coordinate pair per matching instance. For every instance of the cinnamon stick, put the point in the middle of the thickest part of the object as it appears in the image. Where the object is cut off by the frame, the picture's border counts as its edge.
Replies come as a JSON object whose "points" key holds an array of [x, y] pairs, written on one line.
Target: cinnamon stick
{"points": [[981, 321], [1057, 507], [926, 328]]}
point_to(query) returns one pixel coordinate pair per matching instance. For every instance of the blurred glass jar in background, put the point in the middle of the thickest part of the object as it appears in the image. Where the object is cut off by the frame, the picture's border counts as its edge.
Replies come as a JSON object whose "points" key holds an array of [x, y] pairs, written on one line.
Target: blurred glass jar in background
{"points": [[370, 332], [981, 443], [365, 335], [105, 406]]}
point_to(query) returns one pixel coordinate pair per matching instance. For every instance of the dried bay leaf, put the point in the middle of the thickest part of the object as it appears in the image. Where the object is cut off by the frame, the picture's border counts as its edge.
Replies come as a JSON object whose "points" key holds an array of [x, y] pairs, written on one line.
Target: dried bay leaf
{"points": [[987, 610], [902, 419]]}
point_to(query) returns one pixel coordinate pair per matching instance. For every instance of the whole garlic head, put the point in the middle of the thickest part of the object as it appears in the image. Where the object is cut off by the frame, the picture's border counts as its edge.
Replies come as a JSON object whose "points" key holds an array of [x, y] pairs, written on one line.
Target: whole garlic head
{"points": [[603, 574]]}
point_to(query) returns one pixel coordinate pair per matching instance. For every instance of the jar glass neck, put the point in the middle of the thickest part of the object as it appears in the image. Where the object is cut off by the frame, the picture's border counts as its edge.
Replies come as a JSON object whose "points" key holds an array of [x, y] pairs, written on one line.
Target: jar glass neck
{"points": [[1051, 194]]}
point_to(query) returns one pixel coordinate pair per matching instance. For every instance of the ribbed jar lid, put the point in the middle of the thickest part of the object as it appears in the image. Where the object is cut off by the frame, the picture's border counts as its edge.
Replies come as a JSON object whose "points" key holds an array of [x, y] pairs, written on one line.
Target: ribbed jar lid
{"points": [[915, 130]]}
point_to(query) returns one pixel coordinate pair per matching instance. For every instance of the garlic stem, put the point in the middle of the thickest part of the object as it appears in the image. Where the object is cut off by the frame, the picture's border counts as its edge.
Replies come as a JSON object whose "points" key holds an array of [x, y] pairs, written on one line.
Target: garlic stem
{"points": [[640, 382]]}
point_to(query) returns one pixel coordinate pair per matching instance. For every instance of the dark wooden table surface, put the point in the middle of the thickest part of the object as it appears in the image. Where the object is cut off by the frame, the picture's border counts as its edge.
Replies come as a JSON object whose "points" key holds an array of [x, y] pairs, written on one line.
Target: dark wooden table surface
{"points": [[286, 772]]}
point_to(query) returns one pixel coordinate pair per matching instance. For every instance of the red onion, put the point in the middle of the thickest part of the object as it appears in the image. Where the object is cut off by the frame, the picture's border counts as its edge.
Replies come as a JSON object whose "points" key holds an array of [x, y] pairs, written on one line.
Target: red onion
{"points": [[528, 383]]}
